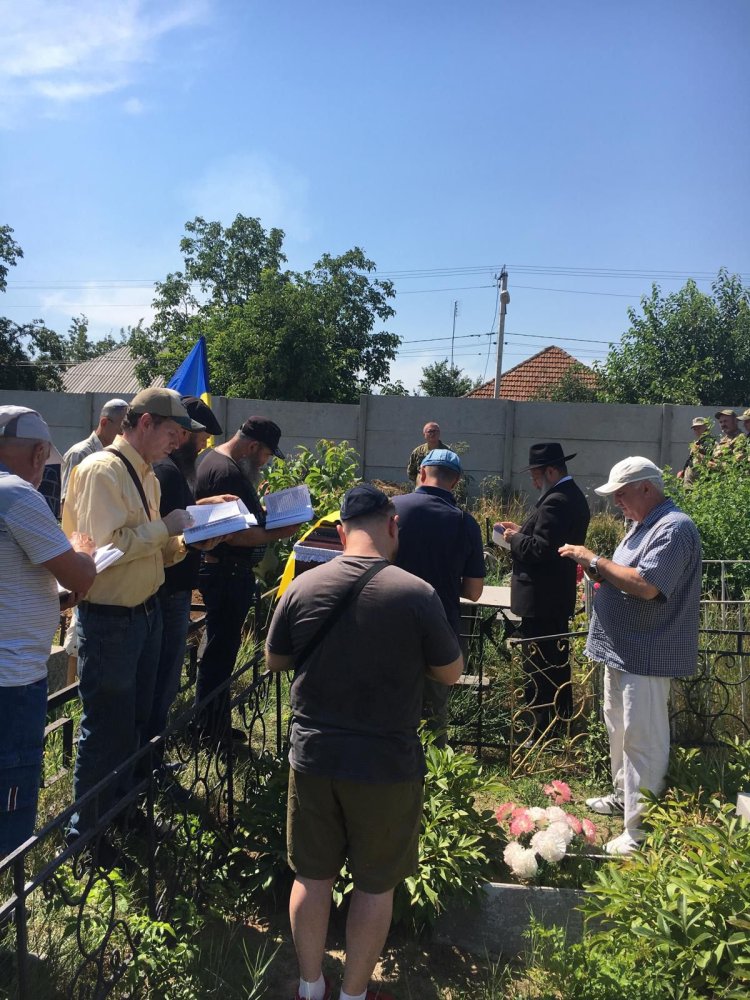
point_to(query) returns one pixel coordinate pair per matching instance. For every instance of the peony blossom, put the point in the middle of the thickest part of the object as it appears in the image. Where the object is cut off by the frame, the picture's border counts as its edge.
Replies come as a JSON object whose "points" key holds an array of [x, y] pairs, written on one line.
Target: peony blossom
{"points": [[558, 791], [563, 830], [511, 851], [589, 831], [555, 814], [523, 823], [537, 814], [525, 864], [574, 823], [503, 811], [549, 844]]}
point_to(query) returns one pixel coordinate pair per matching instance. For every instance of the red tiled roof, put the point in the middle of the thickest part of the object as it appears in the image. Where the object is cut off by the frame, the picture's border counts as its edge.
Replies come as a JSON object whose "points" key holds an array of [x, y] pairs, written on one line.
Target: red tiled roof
{"points": [[541, 370]]}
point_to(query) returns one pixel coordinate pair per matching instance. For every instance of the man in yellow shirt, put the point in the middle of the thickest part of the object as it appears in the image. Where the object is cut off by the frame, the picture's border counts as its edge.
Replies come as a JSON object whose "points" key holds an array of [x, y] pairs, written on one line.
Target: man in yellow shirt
{"points": [[113, 496]]}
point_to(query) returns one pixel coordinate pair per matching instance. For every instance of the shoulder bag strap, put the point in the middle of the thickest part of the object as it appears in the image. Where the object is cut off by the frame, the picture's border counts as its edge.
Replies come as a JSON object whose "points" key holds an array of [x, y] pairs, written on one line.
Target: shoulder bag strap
{"points": [[134, 476], [338, 610]]}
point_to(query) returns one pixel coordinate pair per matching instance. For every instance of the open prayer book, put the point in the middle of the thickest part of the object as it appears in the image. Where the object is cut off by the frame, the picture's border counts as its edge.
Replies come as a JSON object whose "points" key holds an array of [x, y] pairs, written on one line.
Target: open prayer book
{"points": [[212, 519], [103, 557], [290, 506]]}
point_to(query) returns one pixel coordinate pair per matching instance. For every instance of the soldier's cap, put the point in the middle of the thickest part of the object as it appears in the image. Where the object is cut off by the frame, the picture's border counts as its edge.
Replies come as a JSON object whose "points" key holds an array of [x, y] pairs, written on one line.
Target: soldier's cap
{"points": [[202, 412], [364, 498], [164, 403], [264, 430], [745, 415], [443, 457], [114, 407], [21, 422], [725, 413], [630, 470], [699, 422]]}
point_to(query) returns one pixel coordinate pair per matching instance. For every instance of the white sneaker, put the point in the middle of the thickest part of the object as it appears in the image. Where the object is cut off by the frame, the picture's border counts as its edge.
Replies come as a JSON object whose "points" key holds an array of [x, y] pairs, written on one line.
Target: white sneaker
{"points": [[621, 846], [605, 805]]}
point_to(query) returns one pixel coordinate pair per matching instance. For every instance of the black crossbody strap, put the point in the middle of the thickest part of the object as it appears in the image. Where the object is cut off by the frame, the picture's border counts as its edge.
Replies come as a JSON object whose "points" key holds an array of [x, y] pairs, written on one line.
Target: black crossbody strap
{"points": [[134, 477], [338, 611]]}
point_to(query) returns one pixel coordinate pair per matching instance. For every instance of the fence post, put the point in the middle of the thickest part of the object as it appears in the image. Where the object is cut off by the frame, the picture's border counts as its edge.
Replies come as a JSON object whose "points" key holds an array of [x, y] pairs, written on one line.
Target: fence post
{"points": [[362, 434], [22, 935]]}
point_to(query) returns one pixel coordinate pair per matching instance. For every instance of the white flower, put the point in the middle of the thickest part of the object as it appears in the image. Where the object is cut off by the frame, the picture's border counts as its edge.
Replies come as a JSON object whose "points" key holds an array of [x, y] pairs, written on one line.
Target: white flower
{"points": [[525, 864], [562, 829], [555, 814], [549, 844], [537, 813], [511, 852]]}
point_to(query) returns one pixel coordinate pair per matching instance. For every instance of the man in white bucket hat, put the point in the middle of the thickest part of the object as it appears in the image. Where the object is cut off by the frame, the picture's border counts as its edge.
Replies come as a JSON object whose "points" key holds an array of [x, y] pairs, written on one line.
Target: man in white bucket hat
{"points": [[644, 629]]}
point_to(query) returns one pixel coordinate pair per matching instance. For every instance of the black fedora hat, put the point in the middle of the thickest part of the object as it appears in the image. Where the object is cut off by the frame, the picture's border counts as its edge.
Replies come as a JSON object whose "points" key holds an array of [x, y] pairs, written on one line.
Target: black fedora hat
{"points": [[549, 453]]}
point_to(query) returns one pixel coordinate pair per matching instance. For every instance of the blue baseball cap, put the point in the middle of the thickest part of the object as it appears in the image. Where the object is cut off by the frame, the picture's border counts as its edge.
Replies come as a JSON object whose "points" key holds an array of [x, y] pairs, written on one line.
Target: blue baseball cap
{"points": [[442, 456]]}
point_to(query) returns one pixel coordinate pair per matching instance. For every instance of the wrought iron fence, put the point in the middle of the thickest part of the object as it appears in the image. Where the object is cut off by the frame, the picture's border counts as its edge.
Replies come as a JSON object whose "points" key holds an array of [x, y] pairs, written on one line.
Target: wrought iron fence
{"points": [[84, 905], [508, 710]]}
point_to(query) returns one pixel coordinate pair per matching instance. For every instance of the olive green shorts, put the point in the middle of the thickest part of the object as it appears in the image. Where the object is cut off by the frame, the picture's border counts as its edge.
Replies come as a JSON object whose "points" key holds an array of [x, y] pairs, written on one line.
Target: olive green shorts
{"points": [[375, 827]]}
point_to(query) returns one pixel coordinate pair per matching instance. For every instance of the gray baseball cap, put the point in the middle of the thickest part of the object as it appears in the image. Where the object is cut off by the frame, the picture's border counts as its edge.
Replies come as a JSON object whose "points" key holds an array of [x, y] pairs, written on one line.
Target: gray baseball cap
{"points": [[21, 422]]}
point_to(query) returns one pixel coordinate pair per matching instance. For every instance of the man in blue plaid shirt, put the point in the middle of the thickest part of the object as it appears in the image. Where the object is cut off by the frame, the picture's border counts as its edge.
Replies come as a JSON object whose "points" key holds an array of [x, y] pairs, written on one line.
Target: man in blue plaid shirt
{"points": [[644, 629]]}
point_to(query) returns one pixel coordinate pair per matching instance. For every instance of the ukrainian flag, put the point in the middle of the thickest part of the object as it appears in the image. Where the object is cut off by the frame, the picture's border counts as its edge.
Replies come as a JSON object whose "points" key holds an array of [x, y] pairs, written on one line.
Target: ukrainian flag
{"points": [[191, 378]]}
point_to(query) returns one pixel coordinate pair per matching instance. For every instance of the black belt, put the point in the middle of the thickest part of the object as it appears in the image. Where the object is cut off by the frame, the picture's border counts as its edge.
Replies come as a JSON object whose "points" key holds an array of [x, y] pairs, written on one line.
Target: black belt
{"points": [[229, 563], [118, 611]]}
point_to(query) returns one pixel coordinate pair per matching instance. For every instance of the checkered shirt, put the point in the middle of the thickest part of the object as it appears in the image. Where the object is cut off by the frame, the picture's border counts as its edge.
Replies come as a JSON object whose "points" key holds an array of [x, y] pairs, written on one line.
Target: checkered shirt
{"points": [[656, 638]]}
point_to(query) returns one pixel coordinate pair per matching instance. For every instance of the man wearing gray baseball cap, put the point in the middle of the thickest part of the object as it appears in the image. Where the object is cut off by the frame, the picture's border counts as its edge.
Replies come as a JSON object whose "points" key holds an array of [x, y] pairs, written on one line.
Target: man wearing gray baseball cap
{"points": [[111, 417], [34, 556], [644, 629]]}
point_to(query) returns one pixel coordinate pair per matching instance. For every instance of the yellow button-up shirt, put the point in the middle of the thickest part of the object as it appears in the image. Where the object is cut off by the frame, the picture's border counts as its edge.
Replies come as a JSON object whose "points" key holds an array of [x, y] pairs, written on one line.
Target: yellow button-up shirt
{"points": [[102, 501]]}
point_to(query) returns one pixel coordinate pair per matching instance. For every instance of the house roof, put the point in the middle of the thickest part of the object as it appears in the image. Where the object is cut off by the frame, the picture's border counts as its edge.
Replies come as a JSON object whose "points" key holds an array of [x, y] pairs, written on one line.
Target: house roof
{"points": [[525, 380], [113, 372]]}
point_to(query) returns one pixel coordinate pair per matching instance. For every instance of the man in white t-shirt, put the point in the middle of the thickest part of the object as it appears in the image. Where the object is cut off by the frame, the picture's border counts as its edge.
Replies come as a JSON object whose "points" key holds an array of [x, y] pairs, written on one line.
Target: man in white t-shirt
{"points": [[34, 553]]}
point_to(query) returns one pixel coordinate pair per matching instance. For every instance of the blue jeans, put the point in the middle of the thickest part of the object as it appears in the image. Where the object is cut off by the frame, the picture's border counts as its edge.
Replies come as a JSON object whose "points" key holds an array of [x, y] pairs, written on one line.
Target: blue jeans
{"points": [[175, 615], [228, 590], [23, 714], [118, 655]]}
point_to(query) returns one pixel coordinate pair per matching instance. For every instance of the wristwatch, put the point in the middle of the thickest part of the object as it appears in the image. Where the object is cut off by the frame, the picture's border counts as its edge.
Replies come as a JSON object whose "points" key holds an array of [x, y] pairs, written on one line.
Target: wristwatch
{"points": [[592, 566]]}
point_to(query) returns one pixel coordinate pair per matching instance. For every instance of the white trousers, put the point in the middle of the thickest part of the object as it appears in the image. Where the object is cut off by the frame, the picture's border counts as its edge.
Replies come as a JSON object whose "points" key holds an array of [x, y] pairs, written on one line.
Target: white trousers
{"points": [[637, 720]]}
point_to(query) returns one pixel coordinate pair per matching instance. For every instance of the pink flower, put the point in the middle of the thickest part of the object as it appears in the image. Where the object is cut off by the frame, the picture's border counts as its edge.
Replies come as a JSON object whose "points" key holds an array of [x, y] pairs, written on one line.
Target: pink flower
{"points": [[523, 823], [597, 586], [503, 811], [589, 831], [558, 791], [574, 823]]}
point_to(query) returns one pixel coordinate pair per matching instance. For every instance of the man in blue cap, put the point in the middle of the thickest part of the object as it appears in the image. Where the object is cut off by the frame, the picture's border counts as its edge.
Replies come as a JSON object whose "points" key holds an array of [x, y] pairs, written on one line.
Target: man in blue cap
{"points": [[442, 544]]}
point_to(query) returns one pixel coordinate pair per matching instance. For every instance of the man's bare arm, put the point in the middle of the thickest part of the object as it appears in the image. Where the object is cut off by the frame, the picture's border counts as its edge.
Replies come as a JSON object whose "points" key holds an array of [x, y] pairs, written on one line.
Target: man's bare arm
{"points": [[472, 587], [278, 661], [449, 673], [625, 578]]}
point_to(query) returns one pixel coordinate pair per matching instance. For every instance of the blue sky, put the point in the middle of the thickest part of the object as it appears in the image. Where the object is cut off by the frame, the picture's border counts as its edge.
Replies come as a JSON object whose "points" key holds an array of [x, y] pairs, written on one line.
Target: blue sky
{"points": [[445, 139]]}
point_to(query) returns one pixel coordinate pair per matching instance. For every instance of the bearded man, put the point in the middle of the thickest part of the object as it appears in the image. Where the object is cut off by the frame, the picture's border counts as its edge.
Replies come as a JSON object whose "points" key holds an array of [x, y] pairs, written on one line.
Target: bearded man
{"points": [[226, 578]]}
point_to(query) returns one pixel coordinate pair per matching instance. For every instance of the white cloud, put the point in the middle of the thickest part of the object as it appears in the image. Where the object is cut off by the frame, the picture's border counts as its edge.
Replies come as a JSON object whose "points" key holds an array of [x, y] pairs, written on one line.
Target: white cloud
{"points": [[62, 52], [108, 309], [253, 185], [133, 106]]}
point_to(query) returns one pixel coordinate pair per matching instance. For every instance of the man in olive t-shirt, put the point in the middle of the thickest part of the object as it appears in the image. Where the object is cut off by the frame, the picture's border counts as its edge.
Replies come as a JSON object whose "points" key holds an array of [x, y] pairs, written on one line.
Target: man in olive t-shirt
{"points": [[355, 787]]}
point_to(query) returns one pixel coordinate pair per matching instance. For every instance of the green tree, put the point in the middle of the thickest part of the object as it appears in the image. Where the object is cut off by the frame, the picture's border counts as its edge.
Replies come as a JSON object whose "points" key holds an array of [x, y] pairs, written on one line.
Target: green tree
{"points": [[445, 379], [574, 386], [29, 352], [689, 347], [270, 333], [396, 388], [78, 347]]}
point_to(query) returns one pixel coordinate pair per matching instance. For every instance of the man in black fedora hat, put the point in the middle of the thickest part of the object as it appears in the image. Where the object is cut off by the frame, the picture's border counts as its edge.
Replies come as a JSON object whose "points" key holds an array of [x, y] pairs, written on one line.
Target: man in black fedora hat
{"points": [[543, 587]]}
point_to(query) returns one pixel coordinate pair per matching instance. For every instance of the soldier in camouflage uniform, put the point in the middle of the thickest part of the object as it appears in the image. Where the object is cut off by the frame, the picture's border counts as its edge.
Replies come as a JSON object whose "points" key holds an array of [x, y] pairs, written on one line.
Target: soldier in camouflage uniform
{"points": [[745, 418], [432, 440], [700, 451], [731, 450]]}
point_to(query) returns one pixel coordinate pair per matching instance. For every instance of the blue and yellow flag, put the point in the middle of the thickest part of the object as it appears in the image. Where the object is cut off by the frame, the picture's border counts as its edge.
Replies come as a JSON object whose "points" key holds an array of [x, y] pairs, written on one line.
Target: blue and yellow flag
{"points": [[191, 378]]}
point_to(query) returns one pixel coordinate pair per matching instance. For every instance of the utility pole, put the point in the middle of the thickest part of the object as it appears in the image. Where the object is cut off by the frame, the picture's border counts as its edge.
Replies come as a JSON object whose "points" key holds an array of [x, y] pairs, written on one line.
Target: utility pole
{"points": [[453, 335], [504, 300]]}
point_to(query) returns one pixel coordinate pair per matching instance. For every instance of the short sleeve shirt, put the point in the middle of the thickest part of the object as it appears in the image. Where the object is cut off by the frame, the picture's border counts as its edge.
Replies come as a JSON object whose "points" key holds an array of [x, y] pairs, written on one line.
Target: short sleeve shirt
{"points": [[217, 474], [659, 637], [439, 543], [177, 495], [357, 698], [29, 604]]}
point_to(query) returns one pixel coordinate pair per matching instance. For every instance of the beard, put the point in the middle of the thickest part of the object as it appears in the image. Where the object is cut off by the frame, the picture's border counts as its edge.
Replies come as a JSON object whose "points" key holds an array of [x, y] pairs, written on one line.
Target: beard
{"points": [[184, 458], [250, 471]]}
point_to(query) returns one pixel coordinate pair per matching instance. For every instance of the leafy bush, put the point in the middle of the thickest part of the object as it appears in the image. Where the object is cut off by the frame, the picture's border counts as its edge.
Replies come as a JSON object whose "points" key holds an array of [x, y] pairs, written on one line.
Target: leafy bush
{"points": [[716, 502], [708, 773], [680, 905], [605, 533], [328, 471], [458, 844]]}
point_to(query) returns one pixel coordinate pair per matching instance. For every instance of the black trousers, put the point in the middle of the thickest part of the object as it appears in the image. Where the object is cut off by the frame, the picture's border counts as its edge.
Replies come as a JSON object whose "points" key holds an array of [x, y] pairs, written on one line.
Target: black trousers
{"points": [[547, 666]]}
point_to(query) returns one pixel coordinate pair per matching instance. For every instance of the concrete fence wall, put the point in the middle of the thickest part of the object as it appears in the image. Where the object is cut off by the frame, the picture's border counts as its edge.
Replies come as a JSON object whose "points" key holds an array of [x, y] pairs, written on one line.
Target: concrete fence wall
{"points": [[495, 435]]}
